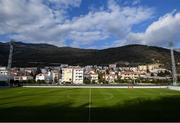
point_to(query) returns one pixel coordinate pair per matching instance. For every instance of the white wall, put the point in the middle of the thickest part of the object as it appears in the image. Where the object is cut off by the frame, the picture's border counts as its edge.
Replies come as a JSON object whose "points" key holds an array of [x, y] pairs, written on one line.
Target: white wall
{"points": [[78, 76]]}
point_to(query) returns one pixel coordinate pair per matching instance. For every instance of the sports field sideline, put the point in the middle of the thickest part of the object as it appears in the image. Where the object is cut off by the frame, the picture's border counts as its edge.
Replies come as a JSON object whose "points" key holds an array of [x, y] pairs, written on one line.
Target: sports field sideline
{"points": [[94, 86], [86, 104]]}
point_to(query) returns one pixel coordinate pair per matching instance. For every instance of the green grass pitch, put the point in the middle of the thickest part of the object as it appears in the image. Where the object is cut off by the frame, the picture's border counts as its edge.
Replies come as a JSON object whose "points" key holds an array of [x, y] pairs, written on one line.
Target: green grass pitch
{"points": [[57, 104]]}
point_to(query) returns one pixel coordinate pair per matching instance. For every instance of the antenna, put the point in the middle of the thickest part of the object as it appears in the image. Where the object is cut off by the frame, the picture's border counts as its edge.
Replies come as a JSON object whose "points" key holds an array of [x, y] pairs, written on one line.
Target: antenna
{"points": [[174, 74], [10, 60]]}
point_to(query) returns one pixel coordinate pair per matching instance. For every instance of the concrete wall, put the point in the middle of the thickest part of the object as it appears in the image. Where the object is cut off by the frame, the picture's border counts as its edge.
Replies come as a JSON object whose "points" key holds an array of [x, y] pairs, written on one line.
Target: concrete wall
{"points": [[84, 86], [177, 88]]}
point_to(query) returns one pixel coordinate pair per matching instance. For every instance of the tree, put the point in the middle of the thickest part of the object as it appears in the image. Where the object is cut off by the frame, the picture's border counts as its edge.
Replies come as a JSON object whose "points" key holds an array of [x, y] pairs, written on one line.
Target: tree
{"points": [[41, 82], [56, 80], [163, 74], [118, 80], [93, 82], [100, 77], [152, 74], [87, 80]]}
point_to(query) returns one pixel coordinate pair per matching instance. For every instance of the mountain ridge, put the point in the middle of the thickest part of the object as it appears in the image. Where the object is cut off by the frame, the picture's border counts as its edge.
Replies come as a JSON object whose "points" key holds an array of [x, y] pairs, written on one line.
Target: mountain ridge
{"points": [[28, 54]]}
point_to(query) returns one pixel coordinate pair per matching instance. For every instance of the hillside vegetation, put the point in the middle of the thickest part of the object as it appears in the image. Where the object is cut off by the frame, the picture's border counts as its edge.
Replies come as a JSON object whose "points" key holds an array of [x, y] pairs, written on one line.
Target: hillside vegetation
{"points": [[45, 54]]}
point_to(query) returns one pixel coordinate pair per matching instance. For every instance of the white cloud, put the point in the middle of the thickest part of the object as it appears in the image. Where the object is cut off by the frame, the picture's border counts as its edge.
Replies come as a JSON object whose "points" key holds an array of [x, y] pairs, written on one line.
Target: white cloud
{"points": [[131, 2], [160, 32], [59, 7], [65, 3], [87, 37], [36, 21], [136, 2], [96, 26], [17, 16]]}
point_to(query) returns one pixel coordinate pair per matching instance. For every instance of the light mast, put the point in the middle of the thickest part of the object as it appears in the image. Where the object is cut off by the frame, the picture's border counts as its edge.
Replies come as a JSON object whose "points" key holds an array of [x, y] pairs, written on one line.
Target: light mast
{"points": [[10, 60]]}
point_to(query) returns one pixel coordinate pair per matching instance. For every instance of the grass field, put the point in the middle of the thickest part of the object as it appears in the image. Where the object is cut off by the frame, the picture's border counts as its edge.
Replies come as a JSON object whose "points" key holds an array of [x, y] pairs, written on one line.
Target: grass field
{"points": [[50, 104]]}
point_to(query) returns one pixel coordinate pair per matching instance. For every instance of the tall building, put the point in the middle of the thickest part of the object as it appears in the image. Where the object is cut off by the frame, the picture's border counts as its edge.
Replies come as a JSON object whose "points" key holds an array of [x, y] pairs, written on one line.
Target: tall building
{"points": [[55, 74], [94, 77], [143, 67], [3, 71], [73, 75], [67, 74], [78, 75]]}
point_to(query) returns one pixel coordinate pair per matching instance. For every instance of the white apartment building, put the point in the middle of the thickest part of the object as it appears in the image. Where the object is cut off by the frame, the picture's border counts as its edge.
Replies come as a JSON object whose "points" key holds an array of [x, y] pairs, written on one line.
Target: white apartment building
{"points": [[41, 77], [129, 75], [2, 68], [152, 67], [55, 75], [143, 67], [94, 77], [110, 77], [112, 66], [73, 75], [3, 71], [23, 78], [67, 74], [149, 67], [78, 75]]}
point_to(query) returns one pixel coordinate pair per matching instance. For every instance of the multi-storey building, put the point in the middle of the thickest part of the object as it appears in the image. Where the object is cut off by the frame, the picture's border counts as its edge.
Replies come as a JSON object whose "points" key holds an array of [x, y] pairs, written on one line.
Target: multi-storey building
{"points": [[22, 78], [152, 67], [110, 77], [74, 75], [94, 77], [67, 74], [142, 67], [3, 74], [129, 75], [3, 71], [78, 75], [41, 77], [55, 74]]}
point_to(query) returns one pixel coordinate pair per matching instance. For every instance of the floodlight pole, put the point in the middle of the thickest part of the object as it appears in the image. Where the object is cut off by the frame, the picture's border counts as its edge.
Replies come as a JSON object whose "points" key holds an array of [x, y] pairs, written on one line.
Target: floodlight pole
{"points": [[174, 74], [10, 61]]}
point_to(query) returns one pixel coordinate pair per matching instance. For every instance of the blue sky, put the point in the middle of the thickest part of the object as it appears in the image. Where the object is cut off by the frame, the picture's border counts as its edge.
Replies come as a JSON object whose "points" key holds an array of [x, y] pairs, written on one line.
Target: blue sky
{"points": [[91, 23]]}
